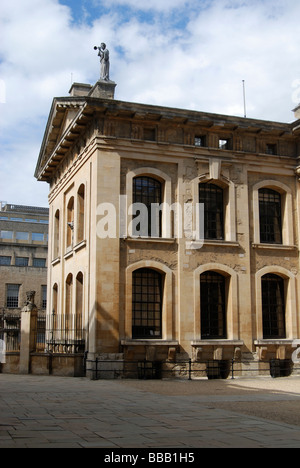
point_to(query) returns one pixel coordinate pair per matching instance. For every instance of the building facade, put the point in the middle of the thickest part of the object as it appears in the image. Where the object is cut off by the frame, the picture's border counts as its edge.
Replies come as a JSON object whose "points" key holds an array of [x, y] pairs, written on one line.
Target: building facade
{"points": [[23, 266], [174, 234]]}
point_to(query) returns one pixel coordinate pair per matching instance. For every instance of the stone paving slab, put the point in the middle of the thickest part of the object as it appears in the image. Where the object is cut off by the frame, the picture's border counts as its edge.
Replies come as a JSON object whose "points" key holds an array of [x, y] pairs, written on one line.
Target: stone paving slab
{"points": [[53, 412]]}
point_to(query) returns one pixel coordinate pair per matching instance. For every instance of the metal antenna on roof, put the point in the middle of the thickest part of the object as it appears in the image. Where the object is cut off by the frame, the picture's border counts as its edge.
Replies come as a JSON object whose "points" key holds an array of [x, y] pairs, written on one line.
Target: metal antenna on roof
{"points": [[244, 95]]}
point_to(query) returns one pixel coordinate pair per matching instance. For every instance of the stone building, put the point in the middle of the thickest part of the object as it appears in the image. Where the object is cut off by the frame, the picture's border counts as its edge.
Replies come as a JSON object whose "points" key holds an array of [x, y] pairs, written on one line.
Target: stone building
{"points": [[23, 267], [158, 287]]}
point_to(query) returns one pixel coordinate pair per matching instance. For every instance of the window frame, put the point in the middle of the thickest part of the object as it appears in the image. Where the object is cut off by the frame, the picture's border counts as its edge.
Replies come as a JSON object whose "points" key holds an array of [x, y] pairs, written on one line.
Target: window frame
{"points": [[80, 225], [5, 260], [36, 260], [290, 300], [37, 237], [12, 301], [144, 196], [168, 318], [22, 261], [44, 297], [272, 317], [6, 234], [22, 236], [70, 208], [272, 149], [213, 314], [286, 209], [232, 300], [167, 227], [147, 283], [270, 216], [224, 144], [200, 141], [209, 213]]}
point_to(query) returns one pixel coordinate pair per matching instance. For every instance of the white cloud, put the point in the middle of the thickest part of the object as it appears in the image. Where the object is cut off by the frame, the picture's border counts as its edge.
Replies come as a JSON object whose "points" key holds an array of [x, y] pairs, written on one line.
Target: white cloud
{"points": [[194, 55]]}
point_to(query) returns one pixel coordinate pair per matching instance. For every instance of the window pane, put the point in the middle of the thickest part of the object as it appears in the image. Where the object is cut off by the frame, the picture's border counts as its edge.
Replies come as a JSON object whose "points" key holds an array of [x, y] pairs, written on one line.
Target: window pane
{"points": [[22, 235], [271, 148], [213, 307], [22, 261], [212, 197], [148, 191], [12, 298], [5, 261], [44, 297], [273, 307], [200, 141], [270, 216], [147, 307], [39, 262], [37, 236], [224, 144], [6, 234]]}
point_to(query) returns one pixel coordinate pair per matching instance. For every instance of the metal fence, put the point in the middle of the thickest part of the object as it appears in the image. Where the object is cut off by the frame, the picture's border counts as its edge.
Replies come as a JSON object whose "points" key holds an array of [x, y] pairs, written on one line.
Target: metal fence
{"points": [[10, 331], [40, 334], [189, 370], [64, 334]]}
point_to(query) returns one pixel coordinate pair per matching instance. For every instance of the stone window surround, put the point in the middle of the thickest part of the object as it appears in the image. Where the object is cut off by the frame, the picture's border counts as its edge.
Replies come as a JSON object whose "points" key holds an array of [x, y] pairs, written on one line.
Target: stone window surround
{"points": [[167, 309], [228, 186], [232, 303], [166, 194], [290, 293], [287, 213]]}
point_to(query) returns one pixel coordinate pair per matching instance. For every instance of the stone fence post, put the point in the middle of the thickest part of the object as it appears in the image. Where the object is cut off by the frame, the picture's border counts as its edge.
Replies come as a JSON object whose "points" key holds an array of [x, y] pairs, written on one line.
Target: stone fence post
{"points": [[28, 332]]}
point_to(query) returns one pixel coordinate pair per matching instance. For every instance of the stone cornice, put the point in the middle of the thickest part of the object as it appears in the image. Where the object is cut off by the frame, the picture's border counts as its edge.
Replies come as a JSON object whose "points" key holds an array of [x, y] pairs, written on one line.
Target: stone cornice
{"points": [[170, 126]]}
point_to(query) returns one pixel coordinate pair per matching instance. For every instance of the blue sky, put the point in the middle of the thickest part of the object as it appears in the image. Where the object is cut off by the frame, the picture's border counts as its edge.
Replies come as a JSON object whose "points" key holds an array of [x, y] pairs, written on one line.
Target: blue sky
{"points": [[189, 54]]}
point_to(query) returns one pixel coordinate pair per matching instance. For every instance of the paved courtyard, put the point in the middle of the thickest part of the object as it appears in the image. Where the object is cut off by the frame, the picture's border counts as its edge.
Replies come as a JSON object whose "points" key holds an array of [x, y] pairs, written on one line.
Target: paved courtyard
{"points": [[55, 412]]}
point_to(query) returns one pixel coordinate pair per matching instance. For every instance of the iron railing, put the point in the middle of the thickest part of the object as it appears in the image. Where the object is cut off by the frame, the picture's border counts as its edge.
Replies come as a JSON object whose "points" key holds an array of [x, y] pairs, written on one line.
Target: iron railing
{"points": [[188, 370], [40, 334], [10, 331], [65, 334]]}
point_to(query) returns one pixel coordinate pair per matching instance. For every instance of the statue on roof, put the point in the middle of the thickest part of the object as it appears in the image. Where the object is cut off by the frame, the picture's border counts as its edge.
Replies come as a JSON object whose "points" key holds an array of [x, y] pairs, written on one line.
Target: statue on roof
{"points": [[104, 61]]}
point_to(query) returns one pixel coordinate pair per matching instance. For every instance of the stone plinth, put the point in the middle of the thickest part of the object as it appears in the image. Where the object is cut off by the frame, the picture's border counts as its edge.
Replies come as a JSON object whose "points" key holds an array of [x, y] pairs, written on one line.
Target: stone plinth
{"points": [[103, 89]]}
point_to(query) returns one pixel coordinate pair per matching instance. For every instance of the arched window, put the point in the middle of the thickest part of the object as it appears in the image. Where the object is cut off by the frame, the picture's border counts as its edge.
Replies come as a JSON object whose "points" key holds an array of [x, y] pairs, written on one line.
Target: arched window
{"points": [[148, 191], [211, 196], [56, 237], [270, 217], [79, 306], [54, 299], [80, 213], [213, 306], [273, 307], [68, 306], [53, 325], [147, 302], [70, 222]]}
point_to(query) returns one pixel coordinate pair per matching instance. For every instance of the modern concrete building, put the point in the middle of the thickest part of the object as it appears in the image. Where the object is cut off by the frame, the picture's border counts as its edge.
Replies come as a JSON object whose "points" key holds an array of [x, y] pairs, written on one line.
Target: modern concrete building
{"points": [[23, 266], [134, 286]]}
